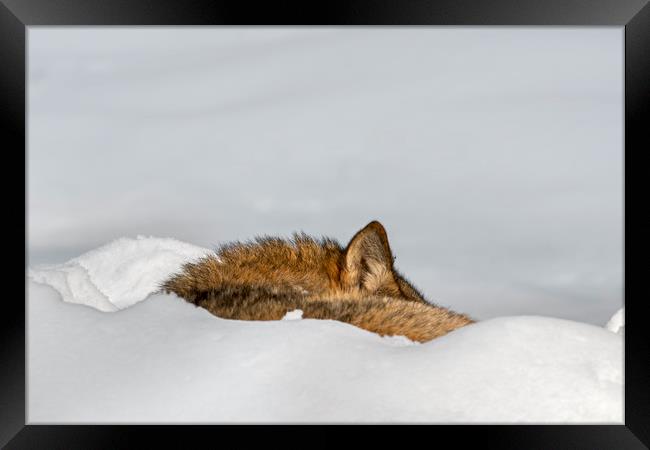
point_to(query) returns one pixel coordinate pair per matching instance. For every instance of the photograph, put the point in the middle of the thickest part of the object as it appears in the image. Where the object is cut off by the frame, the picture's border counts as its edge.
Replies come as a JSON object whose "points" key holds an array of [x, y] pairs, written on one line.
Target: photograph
{"points": [[325, 225]]}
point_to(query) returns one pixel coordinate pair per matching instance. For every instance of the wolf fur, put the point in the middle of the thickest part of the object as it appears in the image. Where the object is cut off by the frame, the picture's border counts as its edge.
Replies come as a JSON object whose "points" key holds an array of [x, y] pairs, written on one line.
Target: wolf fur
{"points": [[268, 277]]}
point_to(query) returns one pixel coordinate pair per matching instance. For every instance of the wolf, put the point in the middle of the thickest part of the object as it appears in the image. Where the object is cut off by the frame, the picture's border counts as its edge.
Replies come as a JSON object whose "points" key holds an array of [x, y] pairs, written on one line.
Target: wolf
{"points": [[265, 278]]}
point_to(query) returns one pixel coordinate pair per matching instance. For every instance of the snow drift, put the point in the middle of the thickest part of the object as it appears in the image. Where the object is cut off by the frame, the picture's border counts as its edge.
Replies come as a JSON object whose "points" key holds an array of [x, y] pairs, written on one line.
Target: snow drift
{"points": [[158, 359], [617, 322], [118, 274]]}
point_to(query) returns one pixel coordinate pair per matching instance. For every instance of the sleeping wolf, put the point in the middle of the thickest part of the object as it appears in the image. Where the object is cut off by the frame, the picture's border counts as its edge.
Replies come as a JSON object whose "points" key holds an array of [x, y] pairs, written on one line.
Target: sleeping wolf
{"points": [[266, 278]]}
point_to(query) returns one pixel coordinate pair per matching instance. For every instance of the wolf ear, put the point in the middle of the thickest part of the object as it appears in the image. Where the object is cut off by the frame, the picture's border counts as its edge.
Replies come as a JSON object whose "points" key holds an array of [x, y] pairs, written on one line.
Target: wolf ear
{"points": [[368, 259]]}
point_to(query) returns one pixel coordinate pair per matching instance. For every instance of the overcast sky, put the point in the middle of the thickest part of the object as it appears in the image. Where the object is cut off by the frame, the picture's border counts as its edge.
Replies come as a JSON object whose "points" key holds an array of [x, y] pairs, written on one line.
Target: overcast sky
{"points": [[493, 156]]}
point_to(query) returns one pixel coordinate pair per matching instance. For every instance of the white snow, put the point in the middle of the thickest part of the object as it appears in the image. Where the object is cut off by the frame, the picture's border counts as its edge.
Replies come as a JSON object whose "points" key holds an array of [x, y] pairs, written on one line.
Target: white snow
{"points": [[118, 274], [296, 314], [162, 360], [617, 322]]}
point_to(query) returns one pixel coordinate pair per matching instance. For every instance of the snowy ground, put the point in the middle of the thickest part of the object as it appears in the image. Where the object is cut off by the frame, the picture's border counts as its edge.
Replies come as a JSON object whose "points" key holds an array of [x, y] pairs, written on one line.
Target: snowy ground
{"points": [[156, 358]]}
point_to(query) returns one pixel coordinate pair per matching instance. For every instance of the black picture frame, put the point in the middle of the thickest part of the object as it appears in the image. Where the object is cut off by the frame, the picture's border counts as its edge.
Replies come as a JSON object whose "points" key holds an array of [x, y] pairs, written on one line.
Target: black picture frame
{"points": [[633, 15]]}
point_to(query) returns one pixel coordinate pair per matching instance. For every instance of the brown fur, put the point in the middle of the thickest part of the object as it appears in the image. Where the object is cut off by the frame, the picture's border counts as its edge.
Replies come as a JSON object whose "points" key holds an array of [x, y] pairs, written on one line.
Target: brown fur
{"points": [[266, 278]]}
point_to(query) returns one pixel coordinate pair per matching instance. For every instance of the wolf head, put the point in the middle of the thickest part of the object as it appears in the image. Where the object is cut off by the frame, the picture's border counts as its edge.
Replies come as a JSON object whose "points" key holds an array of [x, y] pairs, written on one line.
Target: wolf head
{"points": [[316, 268], [367, 266]]}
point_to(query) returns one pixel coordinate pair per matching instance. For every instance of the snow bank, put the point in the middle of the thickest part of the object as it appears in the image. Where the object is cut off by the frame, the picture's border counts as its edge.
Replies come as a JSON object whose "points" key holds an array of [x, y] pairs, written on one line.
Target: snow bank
{"points": [[162, 360], [617, 322], [119, 274]]}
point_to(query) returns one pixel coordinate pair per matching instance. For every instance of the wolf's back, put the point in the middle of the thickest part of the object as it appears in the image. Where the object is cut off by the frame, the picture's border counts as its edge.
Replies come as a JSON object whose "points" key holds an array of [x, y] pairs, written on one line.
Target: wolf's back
{"points": [[384, 316], [268, 277]]}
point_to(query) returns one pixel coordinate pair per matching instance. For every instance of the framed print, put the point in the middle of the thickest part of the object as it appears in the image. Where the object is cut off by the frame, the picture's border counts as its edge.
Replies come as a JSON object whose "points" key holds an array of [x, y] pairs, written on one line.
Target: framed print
{"points": [[368, 213]]}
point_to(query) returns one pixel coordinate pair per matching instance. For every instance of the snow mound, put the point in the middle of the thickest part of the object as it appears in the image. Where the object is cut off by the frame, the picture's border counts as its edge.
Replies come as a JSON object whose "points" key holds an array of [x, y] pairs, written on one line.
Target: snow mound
{"points": [[166, 361], [617, 322], [119, 274]]}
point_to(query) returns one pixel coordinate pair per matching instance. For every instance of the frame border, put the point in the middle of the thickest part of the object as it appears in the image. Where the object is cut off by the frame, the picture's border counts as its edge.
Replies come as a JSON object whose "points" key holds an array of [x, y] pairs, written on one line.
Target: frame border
{"points": [[633, 15]]}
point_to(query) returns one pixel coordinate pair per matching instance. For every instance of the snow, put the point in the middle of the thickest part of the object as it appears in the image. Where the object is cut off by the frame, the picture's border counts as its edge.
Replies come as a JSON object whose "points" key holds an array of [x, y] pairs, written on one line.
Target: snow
{"points": [[617, 322], [296, 314], [159, 359], [118, 274]]}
